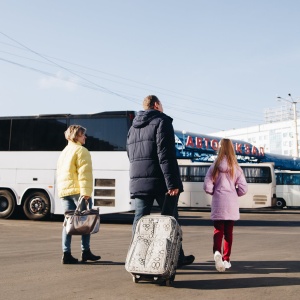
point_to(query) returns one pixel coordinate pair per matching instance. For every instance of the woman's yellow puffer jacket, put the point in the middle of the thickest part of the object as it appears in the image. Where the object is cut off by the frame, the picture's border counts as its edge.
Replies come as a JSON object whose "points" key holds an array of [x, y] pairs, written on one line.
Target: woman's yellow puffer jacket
{"points": [[74, 171]]}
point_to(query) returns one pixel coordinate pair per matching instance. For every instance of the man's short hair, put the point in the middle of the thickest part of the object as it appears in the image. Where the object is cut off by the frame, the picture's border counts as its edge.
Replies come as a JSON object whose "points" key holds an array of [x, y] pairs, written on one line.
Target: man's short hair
{"points": [[149, 102]]}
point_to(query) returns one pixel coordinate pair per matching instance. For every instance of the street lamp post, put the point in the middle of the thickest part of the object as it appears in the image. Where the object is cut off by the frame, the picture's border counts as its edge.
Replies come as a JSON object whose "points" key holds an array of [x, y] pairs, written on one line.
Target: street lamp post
{"points": [[294, 103]]}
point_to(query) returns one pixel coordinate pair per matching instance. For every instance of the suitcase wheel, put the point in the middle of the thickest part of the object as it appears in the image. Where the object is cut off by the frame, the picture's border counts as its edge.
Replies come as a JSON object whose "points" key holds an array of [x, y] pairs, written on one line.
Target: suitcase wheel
{"points": [[135, 278], [170, 281]]}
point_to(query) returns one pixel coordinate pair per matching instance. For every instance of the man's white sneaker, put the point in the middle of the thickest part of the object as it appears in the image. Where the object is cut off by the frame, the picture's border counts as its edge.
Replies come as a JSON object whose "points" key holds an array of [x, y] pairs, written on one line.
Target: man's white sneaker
{"points": [[219, 262], [227, 264]]}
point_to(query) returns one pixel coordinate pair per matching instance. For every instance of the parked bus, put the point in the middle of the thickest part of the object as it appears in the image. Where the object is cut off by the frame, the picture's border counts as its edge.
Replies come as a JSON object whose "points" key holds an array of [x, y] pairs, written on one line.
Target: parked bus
{"points": [[30, 147], [260, 178], [288, 188]]}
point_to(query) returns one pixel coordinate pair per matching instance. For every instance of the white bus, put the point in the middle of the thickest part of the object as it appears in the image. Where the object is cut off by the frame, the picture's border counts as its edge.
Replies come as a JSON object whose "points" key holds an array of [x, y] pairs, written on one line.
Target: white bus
{"points": [[29, 150], [288, 188], [260, 178]]}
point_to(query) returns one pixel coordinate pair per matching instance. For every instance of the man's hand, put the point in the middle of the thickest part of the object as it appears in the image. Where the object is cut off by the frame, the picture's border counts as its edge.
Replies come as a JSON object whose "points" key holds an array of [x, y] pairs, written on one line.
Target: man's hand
{"points": [[173, 192]]}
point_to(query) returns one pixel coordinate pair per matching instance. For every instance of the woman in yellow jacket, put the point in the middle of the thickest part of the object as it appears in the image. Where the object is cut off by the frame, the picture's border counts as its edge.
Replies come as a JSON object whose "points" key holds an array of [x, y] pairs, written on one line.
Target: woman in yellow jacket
{"points": [[75, 179]]}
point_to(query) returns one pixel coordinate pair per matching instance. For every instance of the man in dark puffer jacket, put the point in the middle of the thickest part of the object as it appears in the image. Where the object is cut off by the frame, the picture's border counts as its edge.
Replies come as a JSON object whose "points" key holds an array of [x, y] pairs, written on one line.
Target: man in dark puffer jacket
{"points": [[153, 165]]}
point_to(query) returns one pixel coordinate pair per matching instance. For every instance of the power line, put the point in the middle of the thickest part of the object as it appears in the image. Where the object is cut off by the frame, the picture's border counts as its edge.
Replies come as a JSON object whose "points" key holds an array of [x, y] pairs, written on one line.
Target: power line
{"points": [[92, 85], [177, 94], [175, 108], [182, 109], [62, 67]]}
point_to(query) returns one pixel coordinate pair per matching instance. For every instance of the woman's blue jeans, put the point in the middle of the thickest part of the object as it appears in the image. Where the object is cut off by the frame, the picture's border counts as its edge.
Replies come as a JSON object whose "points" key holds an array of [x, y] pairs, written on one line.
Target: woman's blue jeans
{"points": [[70, 203]]}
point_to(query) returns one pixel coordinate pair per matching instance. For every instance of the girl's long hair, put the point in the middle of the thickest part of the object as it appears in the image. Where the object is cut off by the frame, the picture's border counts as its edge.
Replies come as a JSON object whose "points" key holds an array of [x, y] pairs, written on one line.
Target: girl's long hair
{"points": [[226, 149]]}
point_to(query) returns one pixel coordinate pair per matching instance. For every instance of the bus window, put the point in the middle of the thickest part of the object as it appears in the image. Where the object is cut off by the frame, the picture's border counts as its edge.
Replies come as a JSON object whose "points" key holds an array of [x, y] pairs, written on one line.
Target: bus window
{"points": [[184, 173], [4, 134], [193, 173], [104, 134], [279, 179], [197, 174], [296, 179], [38, 135], [291, 179], [287, 179], [257, 174]]}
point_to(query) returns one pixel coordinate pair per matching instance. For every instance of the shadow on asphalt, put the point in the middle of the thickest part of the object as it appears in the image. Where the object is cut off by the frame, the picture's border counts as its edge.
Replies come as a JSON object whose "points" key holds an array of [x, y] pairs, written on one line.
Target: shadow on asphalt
{"points": [[184, 221], [236, 283], [244, 267], [102, 263], [264, 223], [192, 220], [240, 268]]}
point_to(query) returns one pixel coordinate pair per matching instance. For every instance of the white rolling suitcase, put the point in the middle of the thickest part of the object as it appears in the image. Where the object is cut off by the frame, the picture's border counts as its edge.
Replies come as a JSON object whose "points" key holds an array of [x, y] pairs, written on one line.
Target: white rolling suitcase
{"points": [[154, 250]]}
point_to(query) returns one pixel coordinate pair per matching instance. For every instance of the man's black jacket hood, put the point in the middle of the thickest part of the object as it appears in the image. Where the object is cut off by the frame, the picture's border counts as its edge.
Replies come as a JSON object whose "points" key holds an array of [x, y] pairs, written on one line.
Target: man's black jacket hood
{"points": [[143, 118], [151, 151]]}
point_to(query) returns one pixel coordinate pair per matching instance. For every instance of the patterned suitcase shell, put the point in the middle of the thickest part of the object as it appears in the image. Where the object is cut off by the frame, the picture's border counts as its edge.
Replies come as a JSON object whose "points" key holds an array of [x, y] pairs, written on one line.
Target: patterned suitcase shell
{"points": [[154, 250]]}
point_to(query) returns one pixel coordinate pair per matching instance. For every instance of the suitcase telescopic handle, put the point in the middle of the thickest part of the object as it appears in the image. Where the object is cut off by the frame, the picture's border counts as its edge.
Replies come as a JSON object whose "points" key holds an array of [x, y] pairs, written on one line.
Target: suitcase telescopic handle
{"points": [[170, 204]]}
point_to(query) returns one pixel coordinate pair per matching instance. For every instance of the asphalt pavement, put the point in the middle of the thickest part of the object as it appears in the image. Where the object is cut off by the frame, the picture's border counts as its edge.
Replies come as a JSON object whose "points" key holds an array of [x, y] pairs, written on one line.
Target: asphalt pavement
{"points": [[265, 260]]}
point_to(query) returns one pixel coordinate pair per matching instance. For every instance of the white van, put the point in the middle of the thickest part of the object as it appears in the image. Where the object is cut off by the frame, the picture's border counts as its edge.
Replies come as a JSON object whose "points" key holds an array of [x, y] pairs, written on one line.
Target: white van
{"points": [[287, 188]]}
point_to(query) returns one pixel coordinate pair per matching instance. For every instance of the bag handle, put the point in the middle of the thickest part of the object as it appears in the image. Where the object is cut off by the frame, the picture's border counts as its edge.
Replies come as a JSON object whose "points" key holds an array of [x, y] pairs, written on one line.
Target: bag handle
{"points": [[81, 198]]}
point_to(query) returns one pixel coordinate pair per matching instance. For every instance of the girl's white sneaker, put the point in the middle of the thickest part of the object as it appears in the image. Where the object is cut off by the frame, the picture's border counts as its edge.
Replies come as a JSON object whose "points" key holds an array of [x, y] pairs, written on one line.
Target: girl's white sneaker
{"points": [[227, 264], [219, 262]]}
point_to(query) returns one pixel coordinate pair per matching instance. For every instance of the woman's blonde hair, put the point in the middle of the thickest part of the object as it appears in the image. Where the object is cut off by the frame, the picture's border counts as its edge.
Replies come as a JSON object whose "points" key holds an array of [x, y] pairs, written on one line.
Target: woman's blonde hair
{"points": [[72, 133], [226, 149]]}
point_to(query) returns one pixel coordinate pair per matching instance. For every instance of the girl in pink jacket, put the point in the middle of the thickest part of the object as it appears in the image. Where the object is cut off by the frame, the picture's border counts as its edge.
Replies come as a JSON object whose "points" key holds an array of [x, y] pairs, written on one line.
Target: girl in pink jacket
{"points": [[225, 181]]}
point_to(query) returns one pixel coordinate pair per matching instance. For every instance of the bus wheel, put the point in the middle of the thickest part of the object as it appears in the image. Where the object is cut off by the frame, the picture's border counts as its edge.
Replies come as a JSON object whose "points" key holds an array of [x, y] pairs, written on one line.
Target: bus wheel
{"points": [[37, 206], [7, 204], [280, 203]]}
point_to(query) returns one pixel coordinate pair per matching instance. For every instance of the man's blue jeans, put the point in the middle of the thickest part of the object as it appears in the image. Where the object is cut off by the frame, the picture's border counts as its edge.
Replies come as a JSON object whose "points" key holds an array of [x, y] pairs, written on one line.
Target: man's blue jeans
{"points": [[70, 203], [143, 206]]}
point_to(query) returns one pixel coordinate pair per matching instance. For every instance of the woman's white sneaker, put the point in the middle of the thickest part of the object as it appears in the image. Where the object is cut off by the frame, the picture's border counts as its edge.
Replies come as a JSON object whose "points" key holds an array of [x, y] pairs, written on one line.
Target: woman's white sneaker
{"points": [[219, 262], [227, 264]]}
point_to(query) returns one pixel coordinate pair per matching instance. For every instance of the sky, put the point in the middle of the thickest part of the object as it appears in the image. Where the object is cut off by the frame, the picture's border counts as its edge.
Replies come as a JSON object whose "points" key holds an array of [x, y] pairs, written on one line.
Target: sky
{"points": [[215, 65]]}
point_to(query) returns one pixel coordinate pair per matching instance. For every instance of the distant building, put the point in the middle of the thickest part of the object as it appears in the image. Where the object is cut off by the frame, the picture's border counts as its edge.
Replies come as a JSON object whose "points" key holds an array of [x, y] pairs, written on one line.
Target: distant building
{"points": [[277, 135]]}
